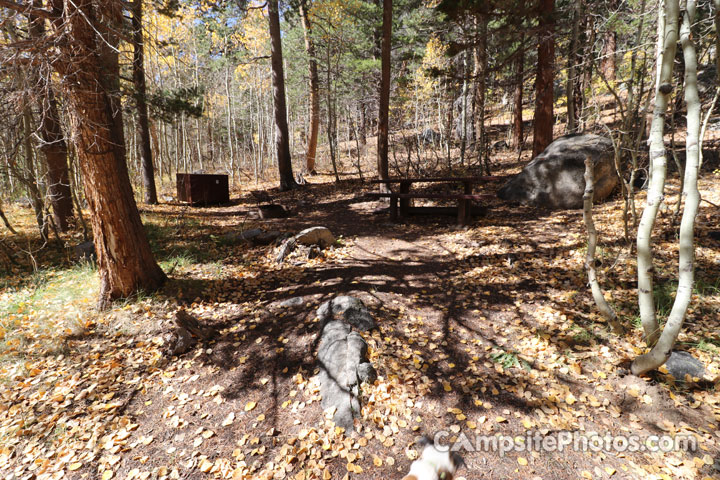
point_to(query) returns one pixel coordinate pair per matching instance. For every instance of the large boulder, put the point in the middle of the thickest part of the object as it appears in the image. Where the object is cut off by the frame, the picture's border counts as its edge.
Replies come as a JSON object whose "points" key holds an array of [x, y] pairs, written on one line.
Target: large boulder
{"points": [[554, 179]]}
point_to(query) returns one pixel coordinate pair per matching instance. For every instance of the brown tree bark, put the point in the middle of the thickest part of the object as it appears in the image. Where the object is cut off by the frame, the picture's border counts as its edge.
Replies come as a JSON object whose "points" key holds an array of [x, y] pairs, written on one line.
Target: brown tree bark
{"points": [[5, 220], [146, 159], [518, 96], [608, 65], [543, 118], [383, 113], [480, 74], [314, 90], [282, 140], [53, 147], [125, 261], [573, 76]]}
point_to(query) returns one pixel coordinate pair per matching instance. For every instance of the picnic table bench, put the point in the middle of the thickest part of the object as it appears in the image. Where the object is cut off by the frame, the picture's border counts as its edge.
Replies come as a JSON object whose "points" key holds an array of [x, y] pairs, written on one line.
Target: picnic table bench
{"points": [[400, 201]]}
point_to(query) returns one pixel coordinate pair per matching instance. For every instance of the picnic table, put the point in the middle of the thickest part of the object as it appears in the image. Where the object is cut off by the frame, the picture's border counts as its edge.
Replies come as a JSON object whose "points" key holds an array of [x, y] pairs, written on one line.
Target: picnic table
{"points": [[400, 200]]}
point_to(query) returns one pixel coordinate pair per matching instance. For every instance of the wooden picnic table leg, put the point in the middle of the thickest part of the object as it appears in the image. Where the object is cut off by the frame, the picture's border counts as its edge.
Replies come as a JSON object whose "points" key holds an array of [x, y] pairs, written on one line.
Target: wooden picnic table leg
{"points": [[404, 202], [465, 211], [468, 187], [462, 211]]}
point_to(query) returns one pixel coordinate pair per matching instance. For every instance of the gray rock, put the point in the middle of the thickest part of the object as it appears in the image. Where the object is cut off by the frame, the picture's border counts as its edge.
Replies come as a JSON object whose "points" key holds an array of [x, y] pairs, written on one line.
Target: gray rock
{"points": [[24, 202], [340, 353], [554, 179], [321, 236], [682, 363], [246, 236], [85, 252], [430, 137], [350, 309], [291, 302], [179, 341], [500, 145], [285, 249]]}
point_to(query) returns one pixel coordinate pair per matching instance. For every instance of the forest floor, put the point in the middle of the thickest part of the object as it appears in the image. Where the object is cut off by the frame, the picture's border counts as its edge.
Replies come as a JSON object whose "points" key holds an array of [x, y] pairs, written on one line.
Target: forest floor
{"points": [[483, 330]]}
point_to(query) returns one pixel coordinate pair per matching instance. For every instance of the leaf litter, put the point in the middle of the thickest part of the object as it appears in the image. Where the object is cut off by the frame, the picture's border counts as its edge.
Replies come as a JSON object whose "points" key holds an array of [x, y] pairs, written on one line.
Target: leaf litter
{"points": [[484, 331]]}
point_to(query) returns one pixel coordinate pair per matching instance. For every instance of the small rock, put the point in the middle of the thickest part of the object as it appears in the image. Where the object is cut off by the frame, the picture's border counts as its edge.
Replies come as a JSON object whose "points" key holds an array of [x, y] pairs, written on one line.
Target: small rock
{"points": [[682, 363], [246, 236], [315, 236], [291, 302], [85, 252], [500, 145], [24, 202], [430, 137]]}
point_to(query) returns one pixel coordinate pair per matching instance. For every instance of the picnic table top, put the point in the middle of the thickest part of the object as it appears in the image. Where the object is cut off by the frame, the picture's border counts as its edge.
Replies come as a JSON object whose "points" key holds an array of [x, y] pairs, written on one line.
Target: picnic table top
{"points": [[478, 179], [459, 196]]}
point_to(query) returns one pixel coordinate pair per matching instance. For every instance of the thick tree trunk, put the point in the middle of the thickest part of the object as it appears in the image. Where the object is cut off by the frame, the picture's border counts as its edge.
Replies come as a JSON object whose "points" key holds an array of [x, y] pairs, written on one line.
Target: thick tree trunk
{"points": [[662, 349], [314, 90], [53, 146], [543, 118], [573, 83], [658, 163], [146, 160], [282, 141], [383, 128], [716, 4], [125, 261], [608, 64], [518, 97], [480, 84]]}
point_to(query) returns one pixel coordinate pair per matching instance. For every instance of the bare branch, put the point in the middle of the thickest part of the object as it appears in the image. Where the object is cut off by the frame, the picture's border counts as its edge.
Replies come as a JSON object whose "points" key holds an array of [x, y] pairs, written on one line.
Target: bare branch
{"points": [[28, 10]]}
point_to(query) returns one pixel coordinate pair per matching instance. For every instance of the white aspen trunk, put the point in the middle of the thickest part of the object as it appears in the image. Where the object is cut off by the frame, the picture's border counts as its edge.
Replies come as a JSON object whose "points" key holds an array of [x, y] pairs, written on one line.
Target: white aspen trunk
{"points": [[228, 107], [661, 351], [197, 120], [658, 163], [660, 41], [606, 310]]}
